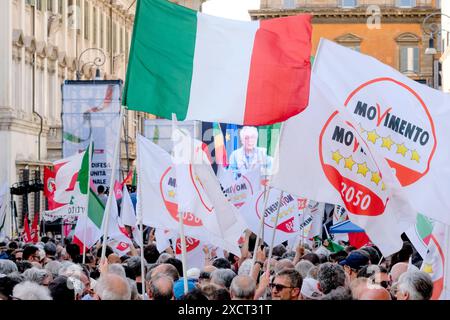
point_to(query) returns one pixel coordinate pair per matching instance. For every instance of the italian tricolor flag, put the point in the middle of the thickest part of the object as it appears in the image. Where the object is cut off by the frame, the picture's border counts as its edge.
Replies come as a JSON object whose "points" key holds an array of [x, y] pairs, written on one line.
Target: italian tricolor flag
{"points": [[214, 69], [88, 229]]}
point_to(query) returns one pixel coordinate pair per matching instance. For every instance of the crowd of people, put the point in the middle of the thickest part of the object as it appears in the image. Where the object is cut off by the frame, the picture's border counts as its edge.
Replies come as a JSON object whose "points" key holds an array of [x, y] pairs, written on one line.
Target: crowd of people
{"points": [[53, 270]]}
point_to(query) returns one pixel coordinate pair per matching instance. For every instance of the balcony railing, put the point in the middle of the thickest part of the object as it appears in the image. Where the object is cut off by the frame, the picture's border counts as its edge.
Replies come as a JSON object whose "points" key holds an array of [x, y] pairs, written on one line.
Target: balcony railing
{"points": [[350, 4]]}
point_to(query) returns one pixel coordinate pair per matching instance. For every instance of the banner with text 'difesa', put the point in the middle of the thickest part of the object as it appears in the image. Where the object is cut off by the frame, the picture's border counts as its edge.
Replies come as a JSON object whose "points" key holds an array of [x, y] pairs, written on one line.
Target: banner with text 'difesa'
{"points": [[91, 109]]}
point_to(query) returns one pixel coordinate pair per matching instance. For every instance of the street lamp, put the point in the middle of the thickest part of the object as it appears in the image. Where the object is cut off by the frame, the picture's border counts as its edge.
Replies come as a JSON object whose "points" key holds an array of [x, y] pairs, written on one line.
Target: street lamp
{"points": [[432, 29], [98, 61]]}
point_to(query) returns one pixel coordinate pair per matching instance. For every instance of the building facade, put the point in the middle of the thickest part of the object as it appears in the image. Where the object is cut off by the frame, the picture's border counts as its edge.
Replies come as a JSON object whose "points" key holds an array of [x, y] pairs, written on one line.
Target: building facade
{"points": [[389, 30], [41, 46], [445, 36]]}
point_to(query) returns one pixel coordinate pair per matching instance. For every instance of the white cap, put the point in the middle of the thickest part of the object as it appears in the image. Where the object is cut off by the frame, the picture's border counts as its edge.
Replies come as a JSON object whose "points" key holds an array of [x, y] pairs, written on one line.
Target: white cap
{"points": [[310, 289], [193, 273]]}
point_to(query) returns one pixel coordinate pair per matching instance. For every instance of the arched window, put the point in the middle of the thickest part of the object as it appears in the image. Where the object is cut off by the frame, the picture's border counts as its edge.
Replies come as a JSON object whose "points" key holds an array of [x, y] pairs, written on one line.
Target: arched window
{"points": [[350, 41]]}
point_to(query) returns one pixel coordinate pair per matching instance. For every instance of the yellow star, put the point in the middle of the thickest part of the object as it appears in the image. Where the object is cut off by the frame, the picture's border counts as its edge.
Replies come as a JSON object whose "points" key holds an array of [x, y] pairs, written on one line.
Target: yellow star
{"points": [[349, 163], [337, 156], [362, 168], [415, 156], [401, 149], [375, 177], [227, 137], [387, 142], [171, 193], [372, 136]]}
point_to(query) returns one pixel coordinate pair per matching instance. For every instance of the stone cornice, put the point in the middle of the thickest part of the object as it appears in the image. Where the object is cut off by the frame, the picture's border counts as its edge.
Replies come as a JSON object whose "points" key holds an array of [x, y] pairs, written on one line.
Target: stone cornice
{"points": [[13, 120], [345, 16]]}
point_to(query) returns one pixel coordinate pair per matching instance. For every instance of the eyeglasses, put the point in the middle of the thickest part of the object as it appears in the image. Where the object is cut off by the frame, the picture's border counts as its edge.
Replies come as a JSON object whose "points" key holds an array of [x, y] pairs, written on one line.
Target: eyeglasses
{"points": [[385, 284], [278, 287]]}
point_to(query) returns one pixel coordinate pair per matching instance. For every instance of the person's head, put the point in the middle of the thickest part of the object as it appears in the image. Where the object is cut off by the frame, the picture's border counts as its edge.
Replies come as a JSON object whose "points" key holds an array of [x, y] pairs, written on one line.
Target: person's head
{"points": [[279, 250], [221, 263], [312, 273], [151, 253], [113, 258], [414, 285], [23, 265], [112, 287], [303, 266], [340, 293], [18, 255], [312, 257], [160, 288], [194, 295], [376, 274], [222, 277], [373, 254], [283, 264], [7, 267], [133, 267], [28, 290], [249, 137], [31, 254], [242, 288], [330, 276], [61, 290], [50, 249], [73, 251], [286, 285], [40, 276], [100, 190], [397, 270], [375, 292], [310, 290], [354, 262], [117, 269], [7, 284], [177, 264], [166, 269], [209, 289]]}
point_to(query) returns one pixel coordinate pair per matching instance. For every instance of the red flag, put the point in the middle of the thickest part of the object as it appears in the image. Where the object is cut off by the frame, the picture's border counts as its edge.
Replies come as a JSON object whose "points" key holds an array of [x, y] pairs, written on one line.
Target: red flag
{"points": [[34, 229], [128, 179], [118, 190], [358, 239], [26, 230]]}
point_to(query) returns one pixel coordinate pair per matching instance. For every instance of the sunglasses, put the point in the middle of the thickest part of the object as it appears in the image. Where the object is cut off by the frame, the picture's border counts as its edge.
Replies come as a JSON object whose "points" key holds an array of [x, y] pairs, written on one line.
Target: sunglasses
{"points": [[278, 287]]}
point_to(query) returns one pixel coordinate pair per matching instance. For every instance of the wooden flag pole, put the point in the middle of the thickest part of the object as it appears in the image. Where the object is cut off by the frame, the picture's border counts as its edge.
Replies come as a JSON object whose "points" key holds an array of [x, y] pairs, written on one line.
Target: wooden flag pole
{"points": [[111, 185]]}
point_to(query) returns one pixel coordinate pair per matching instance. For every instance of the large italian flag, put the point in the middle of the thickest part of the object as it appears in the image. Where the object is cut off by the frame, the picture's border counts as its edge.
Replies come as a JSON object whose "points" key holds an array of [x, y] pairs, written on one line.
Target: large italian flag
{"points": [[214, 69]]}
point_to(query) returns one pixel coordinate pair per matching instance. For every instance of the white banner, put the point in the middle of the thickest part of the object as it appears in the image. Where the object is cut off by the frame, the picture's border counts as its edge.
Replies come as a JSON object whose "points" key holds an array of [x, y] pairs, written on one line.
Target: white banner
{"points": [[92, 110]]}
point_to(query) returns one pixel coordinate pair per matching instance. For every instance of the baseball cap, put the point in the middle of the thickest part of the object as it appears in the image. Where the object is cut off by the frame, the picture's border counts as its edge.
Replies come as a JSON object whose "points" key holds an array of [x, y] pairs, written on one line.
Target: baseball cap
{"points": [[178, 287], [355, 260], [310, 289]]}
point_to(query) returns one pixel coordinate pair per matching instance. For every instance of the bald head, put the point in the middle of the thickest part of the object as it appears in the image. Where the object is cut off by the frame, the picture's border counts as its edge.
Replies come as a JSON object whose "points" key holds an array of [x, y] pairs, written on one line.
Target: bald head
{"points": [[113, 287], [397, 270], [161, 288], [113, 258], [374, 292], [166, 269]]}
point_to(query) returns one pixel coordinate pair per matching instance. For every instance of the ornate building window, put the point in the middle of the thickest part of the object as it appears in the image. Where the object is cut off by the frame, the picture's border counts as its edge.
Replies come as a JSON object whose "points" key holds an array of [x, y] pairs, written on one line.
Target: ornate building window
{"points": [[350, 41], [348, 3], [406, 3], [409, 53], [289, 4]]}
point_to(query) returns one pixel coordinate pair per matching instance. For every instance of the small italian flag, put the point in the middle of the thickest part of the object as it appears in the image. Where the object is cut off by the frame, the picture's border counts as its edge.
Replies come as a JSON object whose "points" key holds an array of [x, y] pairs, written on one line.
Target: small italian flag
{"points": [[208, 68], [88, 229]]}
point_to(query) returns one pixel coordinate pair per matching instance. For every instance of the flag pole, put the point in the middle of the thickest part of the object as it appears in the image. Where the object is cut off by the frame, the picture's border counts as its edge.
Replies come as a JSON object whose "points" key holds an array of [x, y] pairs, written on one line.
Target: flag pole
{"points": [[111, 186], [180, 220], [261, 227], [275, 228], [140, 221], [446, 288], [87, 207]]}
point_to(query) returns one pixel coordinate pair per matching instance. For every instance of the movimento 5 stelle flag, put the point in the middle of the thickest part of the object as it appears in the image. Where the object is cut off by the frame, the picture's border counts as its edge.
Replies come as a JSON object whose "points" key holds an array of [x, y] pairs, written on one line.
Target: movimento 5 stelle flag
{"points": [[208, 68]]}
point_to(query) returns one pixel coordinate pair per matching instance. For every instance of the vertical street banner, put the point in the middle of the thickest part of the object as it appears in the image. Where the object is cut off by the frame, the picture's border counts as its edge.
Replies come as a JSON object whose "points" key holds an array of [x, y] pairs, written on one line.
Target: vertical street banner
{"points": [[92, 109]]}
